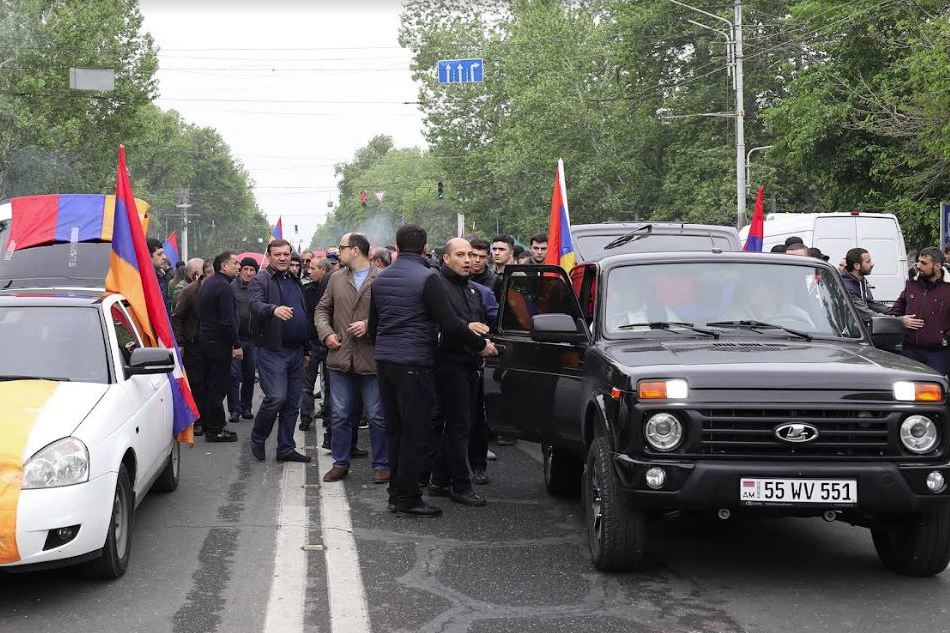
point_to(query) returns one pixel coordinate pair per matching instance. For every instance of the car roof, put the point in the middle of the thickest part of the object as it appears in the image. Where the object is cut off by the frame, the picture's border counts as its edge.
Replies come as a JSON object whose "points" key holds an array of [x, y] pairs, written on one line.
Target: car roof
{"points": [[83, 297], [712, 257], [658, 227]]}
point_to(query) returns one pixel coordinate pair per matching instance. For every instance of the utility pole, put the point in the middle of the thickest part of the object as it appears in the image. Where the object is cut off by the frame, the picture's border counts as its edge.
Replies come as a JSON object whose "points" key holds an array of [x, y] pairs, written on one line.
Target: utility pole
{"points": [[184, 205], [740, 119]]}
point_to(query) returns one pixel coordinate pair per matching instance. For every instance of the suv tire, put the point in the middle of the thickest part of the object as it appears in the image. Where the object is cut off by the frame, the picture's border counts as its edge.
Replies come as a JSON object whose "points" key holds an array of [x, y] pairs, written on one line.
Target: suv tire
{"points": [[916, 544], [616, 533], [562, 472], [114, 558], [168, 480]]}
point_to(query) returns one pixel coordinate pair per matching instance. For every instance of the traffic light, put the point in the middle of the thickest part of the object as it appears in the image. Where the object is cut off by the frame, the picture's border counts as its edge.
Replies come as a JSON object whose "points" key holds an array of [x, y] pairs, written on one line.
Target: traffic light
{"points": [[440, 191]]}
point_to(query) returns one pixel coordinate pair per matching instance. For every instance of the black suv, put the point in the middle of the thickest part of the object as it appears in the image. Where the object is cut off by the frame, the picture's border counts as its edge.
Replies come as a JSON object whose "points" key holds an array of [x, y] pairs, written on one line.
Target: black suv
{"points": [[728, 383]]}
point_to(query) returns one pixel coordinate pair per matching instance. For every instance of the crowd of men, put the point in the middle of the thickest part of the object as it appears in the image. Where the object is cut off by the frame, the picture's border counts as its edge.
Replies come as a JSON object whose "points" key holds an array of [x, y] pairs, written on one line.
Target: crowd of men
{"points": [[395, 335]]}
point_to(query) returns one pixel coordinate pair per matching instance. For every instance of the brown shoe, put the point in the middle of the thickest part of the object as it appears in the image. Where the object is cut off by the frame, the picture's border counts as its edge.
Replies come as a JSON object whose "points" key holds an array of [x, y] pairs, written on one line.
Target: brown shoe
{"points": [[380, 475], [336, 474]]}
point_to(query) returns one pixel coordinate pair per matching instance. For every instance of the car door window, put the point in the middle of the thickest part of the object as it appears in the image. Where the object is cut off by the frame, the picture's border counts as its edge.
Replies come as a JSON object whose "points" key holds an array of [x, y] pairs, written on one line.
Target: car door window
{"points": [[536, 290], [125, 332]]}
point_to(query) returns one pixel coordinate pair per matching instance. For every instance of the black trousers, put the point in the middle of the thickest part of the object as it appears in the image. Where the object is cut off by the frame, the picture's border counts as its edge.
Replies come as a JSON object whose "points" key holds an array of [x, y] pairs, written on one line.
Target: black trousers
{"points": [[408, 394], [480, 433], [193, 361], [217, 380], [456, 385]]}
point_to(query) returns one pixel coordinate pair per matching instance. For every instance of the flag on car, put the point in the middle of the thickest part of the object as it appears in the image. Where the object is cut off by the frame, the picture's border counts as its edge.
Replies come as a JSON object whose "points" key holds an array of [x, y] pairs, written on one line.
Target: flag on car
{"points": [[753, 241], [560, 245], [48, 219], [131, 273], [278, 232], [171, 250]]}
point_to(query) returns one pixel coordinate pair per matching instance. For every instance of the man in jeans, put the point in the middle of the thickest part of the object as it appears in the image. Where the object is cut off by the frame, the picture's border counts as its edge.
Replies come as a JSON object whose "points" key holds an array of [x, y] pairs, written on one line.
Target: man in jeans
{"points": [[241, 393], [279, 314], [317, 270], [342, 320]]}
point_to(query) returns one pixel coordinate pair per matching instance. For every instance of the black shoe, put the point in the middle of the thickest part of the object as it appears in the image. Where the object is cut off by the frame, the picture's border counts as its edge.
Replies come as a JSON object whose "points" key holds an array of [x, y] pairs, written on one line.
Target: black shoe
{"points": [[479, 478], [247, 415], [326, 441], [294, 456], [198, 431], [363, 424], [234, 418], [421, 509], [506, 441], [358, 452], [305, 425], [469, 499], [257, 450], [439, 491], [223, 435]]}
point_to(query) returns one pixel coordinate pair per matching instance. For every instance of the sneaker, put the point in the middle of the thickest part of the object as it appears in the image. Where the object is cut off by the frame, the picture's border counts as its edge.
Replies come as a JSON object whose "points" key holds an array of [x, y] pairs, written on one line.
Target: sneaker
{"points": [[490, 455], [294, 456], [224, 435], [363, 424], [479, 478]]}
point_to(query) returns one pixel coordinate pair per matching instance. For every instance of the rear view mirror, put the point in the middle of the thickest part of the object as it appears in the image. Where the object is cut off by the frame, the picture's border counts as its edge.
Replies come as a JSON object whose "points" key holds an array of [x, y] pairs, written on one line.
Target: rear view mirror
{"points": [[557, 328], [887, 333], [150, 360]]}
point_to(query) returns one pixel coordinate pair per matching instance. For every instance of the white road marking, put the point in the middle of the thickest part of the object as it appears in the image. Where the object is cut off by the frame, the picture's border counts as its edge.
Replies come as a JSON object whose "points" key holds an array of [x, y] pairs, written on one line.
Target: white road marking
{"points": [[347, 596], [286, 603], [531, 449]]}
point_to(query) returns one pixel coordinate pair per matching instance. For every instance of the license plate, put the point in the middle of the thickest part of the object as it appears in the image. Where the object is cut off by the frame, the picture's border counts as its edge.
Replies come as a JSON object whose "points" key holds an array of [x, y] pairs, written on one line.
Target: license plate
{"points": [[823, 491]]}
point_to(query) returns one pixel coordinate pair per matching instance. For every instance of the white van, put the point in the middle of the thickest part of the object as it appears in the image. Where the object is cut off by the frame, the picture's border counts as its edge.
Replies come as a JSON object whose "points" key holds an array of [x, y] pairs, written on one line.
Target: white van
{"points": [[836, 233]]}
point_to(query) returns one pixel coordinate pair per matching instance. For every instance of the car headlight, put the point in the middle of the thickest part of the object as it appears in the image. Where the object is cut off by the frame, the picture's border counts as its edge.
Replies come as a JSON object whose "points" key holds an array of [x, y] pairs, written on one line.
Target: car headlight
{"points": [[663, 431], [673, 389], [62, 463], [906, 391], [919, 434]]}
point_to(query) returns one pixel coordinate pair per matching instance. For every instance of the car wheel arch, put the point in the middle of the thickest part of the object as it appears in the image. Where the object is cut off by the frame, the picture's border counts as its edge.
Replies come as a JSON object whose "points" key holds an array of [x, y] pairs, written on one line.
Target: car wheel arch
{"points": [[596, 422], [129, 461]]}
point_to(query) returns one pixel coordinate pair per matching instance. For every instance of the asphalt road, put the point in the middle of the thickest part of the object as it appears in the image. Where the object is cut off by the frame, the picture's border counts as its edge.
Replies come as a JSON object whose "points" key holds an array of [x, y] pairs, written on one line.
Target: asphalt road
{"points": [[206, 557]]}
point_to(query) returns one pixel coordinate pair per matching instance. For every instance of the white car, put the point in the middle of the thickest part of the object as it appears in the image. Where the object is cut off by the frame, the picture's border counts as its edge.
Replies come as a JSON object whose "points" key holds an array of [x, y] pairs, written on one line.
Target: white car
{"points": [[90, 410]]}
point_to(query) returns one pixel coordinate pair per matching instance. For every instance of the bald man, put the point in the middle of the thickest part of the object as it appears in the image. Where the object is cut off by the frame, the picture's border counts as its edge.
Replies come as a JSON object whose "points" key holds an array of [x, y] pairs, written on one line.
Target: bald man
{"points": [[193, 270], [456, 373]]}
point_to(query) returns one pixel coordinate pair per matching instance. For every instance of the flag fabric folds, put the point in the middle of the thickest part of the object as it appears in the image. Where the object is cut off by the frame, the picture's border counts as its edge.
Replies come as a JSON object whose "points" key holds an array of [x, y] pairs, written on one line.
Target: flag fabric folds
{"points": [[171, 250], [753, 241], [131, 273], [560, 244], [278, 232], [41, 220]]}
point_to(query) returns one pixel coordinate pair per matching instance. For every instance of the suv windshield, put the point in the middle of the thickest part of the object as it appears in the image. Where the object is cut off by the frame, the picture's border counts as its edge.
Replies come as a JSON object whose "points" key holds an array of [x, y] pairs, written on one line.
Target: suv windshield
{"points": [[770, 299], [56, 343], [592, 246]]}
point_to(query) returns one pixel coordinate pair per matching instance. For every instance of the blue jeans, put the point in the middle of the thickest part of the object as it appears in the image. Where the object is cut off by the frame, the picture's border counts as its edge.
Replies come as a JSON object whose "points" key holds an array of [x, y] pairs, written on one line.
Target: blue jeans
{"points": [[281, 377], [938, 359], [347, 392], [241, 390]]}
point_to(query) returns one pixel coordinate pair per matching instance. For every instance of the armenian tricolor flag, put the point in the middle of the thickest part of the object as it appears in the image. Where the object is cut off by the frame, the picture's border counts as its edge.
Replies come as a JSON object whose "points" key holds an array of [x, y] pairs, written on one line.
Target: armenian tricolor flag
{"points": [[132, 274], [278, 232], [41, 220], [560, 244], [753, 242], [171, 250]]}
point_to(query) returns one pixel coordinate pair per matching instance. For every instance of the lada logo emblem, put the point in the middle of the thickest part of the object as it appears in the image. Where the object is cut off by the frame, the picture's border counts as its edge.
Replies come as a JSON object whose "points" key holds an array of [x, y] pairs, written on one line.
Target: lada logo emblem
{"points": [[796, 433]]}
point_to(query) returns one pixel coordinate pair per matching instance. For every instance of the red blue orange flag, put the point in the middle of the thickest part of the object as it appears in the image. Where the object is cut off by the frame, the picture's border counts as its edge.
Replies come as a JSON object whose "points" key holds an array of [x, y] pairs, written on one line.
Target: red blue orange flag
{"points": [[171, 250], [753, 242], [278, 232], [47, 219], [560, 244], [131, 273]]}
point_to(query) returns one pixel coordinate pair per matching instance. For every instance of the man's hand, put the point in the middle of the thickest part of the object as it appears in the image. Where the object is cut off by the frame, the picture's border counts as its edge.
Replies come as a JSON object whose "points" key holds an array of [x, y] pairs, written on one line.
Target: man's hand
{"points": [[306, 360], [490, 350], [357, 329], [237, 353], [332, 342], [284, 313], [911, 322], [479, 328]]}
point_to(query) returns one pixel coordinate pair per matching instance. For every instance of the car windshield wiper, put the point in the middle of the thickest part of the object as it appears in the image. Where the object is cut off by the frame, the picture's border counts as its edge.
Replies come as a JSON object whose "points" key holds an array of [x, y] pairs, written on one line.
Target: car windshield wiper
{"points": [[666, 325], [753, 325], [635, 234], [7, 378]]}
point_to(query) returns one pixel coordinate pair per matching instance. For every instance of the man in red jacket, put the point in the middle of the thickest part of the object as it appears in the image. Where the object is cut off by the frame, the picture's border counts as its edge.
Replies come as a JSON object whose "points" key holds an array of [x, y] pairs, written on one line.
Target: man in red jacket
{"points": [[924, 307]]}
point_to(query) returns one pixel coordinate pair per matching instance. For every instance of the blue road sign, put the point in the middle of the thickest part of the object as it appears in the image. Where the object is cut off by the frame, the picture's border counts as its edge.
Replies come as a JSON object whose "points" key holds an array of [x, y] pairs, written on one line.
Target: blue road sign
{"points": [[461, 71]]}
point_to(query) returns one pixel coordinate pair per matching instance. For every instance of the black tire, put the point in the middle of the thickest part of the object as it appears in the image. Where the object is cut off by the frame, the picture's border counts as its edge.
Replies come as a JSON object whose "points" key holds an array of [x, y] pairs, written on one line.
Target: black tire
{"points": [[616, 533], [562, 472], [114, 559], [168, 480], [915, 545]]}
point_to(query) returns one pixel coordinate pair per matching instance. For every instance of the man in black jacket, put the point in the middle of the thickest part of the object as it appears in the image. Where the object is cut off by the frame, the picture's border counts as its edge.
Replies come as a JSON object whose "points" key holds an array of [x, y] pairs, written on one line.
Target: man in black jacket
{"points": [[482, 272], [858, 265], [924, 307], [409, 308], [241, 391], [318, 272], [218, 337], [456, 377]]}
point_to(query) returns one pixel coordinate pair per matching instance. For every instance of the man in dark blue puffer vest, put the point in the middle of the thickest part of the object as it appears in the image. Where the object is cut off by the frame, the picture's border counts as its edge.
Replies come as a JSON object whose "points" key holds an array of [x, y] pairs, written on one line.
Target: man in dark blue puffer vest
{"points": [[409, 307]]}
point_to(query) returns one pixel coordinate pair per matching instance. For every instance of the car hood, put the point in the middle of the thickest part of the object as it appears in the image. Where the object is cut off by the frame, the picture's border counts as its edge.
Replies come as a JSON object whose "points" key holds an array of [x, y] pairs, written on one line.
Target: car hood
{"points": [[34, 413], [765, 364]]}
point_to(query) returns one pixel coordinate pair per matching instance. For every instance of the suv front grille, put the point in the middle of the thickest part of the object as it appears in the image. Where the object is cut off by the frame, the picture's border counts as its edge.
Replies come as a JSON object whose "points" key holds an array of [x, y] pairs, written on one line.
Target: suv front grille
{"points": [[841, 433]]}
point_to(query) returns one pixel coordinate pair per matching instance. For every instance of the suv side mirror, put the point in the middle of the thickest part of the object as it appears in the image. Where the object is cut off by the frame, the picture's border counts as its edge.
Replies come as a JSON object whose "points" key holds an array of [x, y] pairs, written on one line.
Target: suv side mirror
{"points": [[150, 360], [556, 328], [887, 332]]}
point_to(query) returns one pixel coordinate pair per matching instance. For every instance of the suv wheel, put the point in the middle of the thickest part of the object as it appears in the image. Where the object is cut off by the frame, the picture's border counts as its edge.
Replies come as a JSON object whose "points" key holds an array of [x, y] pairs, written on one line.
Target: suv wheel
{"points": [[562, 472], [915, 545], [114, 558], [171, 475], [616, 533]]}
